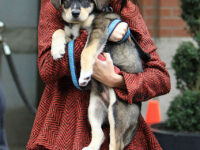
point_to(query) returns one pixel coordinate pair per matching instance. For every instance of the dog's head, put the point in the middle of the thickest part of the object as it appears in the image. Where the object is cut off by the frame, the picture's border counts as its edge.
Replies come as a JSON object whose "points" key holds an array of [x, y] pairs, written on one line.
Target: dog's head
{"points": [[74, 11], [100, 4]]}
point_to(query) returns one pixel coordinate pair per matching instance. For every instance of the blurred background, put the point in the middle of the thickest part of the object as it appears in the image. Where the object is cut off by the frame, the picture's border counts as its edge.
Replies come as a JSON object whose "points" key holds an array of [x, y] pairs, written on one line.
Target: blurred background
{"points": [[21, 19], [168, 29]]}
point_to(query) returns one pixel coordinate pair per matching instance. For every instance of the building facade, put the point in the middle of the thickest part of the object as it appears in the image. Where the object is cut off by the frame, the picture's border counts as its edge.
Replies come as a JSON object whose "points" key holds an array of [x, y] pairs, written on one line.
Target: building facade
{"points": [[167, 28]]}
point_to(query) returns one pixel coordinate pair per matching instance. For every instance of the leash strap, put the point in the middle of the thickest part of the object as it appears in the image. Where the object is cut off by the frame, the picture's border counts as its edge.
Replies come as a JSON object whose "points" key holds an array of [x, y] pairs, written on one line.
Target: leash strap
{"points": [[72, 67], [71, 63], [143, 55]]}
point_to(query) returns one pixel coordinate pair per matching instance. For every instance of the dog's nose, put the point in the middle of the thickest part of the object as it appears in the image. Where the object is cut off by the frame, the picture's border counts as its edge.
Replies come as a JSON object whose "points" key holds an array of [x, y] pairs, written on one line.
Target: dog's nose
{"points": [[75, 13]]}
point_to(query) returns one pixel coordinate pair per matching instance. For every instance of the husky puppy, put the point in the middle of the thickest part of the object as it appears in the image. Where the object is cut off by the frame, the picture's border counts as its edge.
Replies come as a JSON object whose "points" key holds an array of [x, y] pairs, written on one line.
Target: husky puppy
{"points": [[104, 105]]}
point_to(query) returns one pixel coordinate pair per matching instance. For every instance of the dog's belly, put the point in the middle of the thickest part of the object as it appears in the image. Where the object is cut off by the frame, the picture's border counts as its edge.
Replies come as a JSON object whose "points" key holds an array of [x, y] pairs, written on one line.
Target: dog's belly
{"points": [[101, 90]]}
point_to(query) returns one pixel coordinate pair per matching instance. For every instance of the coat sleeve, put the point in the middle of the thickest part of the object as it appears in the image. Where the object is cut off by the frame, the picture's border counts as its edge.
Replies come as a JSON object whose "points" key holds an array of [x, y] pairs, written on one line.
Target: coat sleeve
{"points": [[50, 20], [155, 80]]}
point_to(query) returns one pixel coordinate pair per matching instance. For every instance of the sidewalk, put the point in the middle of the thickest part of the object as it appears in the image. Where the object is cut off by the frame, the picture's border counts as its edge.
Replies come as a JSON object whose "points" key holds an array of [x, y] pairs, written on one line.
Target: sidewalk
{"points": [[18, 126]]}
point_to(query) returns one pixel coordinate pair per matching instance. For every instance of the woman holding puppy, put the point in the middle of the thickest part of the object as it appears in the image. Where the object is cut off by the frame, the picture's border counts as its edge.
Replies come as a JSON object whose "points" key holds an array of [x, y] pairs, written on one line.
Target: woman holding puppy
{"points": [[61, 122]]}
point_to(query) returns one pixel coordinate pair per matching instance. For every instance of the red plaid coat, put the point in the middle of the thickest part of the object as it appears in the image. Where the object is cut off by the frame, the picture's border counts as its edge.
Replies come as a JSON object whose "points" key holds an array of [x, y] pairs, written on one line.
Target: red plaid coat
{"points": [[61, 122]]}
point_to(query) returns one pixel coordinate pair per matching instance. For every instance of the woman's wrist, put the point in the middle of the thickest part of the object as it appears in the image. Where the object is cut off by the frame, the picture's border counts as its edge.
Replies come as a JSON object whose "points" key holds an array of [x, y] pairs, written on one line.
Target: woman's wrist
{"points": [[119, 32], [117, 81]]}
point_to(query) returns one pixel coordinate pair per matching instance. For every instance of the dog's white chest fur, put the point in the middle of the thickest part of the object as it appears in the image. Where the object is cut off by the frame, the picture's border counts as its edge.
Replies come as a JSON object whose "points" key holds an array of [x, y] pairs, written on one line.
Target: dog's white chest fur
{"points": [[74, 31]]}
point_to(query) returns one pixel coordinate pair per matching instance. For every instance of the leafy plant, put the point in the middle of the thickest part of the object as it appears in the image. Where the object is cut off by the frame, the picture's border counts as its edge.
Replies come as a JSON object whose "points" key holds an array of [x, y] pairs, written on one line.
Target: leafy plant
{"points": [[186, 64], [184, 110], [191, 14]]}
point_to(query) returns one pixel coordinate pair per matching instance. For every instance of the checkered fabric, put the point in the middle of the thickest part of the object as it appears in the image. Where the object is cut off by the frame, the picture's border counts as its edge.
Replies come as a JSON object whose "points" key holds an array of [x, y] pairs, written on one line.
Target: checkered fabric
{"points": [[61, 122]]}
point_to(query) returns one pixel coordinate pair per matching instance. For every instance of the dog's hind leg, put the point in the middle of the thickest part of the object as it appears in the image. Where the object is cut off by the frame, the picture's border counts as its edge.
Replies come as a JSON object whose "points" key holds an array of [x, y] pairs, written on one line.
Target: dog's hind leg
{"points": [[126, 121], [111, 119], [97, 113]]}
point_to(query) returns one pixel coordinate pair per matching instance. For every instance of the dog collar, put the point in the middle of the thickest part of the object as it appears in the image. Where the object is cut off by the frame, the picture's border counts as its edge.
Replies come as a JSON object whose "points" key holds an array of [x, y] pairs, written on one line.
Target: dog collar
{"points": [[72, 67], [107, 9]]}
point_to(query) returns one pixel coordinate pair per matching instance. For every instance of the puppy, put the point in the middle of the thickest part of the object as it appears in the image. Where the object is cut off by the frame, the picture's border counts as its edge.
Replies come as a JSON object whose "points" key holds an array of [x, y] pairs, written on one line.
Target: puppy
{"points": [[104, 105], [76, 15]]}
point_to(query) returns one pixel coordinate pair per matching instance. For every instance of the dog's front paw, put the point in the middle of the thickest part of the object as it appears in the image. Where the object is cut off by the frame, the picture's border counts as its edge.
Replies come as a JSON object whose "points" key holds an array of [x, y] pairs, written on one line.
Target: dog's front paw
{"points": [[85, 78], [58, 44], [57, 50]]}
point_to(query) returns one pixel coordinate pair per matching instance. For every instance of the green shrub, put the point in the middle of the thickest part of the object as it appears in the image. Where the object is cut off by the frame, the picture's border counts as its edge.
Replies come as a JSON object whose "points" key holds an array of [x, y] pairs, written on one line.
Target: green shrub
{"points": [[186, 64], [184, 111], [191, 14]]}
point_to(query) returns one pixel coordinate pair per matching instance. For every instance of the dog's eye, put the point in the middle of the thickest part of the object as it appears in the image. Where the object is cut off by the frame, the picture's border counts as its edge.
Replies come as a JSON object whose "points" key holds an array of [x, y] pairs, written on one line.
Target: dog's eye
{"points": [[66, 3], [86, 3]]}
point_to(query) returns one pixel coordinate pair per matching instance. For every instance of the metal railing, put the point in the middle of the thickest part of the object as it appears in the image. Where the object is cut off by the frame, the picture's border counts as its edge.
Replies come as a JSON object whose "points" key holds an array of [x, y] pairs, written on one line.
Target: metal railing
{"points": [[7, 53]]}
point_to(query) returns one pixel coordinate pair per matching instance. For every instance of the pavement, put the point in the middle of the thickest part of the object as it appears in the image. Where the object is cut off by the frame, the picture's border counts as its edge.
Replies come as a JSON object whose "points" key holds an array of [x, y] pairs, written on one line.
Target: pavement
{"points": [[18, 125], [17, 148]]}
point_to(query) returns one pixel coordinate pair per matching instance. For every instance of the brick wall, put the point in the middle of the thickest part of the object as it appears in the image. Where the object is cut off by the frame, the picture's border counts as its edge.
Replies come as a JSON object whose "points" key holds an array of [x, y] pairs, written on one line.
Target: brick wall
{"points": [[163, 18]]}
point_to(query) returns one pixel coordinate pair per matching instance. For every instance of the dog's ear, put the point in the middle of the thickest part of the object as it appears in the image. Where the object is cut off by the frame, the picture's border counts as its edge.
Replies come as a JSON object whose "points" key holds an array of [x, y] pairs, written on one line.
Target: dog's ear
{"points": [[100, 4], [56, 3]]}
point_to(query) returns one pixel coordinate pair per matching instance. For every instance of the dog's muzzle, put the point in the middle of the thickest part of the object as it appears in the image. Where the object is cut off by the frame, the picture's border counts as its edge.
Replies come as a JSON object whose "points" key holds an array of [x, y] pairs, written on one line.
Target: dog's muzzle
{"points": [[75, 13]]}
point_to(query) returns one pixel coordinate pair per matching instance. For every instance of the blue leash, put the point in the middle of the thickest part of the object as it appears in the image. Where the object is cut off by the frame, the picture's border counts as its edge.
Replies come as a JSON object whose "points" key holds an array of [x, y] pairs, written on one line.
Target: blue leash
{"points": [[72, 65], [111, 28]]}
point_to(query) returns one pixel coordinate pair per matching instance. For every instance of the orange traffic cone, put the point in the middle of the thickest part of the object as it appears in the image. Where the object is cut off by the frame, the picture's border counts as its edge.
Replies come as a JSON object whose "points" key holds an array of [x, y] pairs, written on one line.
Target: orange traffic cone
{"points": [[153, 112]]}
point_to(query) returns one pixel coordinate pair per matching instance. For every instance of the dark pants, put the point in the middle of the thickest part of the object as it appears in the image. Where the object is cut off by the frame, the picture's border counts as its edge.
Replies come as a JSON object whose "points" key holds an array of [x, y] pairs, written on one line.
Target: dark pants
{"points": [[3, 142]]}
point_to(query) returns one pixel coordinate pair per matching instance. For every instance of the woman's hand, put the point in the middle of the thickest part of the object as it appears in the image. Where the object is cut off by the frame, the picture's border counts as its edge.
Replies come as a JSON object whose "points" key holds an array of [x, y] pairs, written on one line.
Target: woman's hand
{"points": [[119, 32], [104, 72]]}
